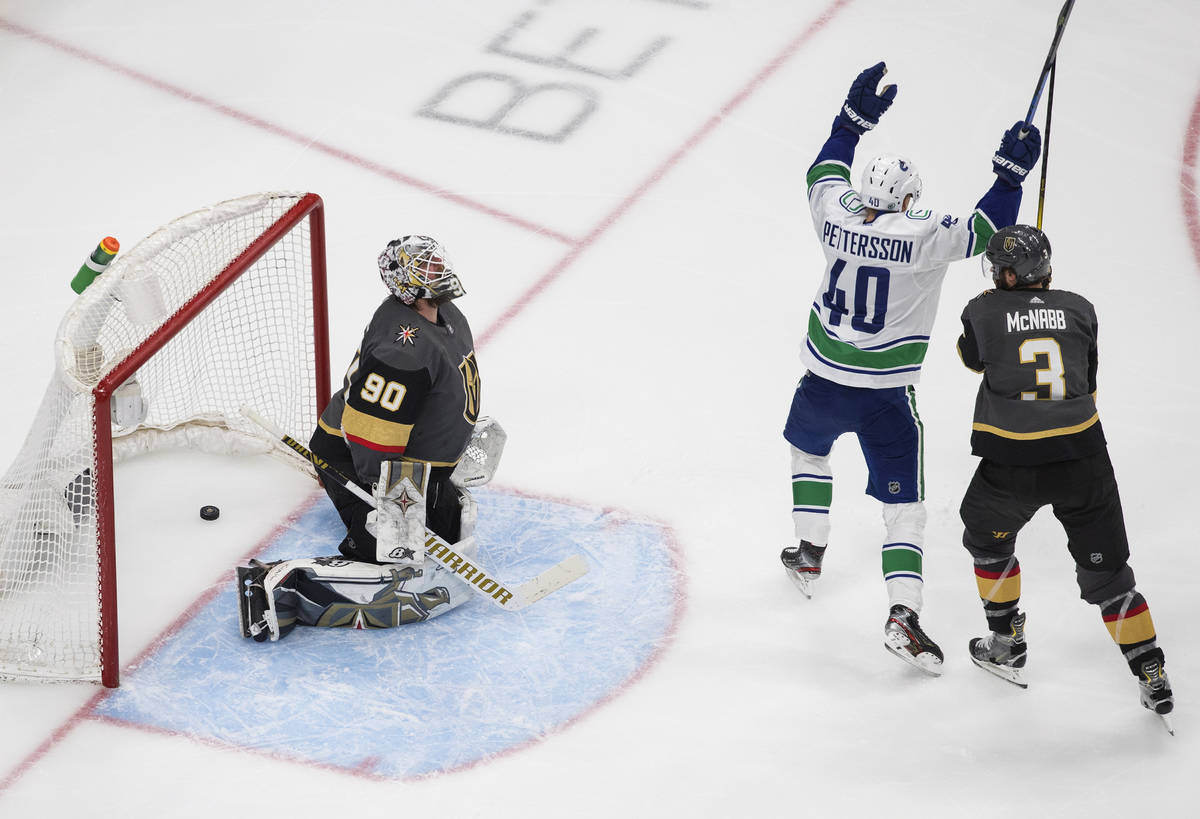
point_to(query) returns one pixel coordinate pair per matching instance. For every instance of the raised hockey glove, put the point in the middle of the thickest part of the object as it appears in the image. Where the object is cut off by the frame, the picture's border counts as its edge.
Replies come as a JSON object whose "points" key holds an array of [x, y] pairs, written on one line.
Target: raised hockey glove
{"points": [[863, 106], [1016, 156]]}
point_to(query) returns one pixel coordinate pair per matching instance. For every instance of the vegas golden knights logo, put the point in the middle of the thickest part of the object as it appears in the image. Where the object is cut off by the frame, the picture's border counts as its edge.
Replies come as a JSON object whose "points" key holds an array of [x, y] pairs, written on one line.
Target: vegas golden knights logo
{"points": [[1010, 242], [470, 377], [1000, 535]]}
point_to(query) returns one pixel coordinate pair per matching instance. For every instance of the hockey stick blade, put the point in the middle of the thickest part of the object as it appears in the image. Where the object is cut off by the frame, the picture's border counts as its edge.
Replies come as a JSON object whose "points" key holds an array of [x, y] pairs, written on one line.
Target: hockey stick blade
{"points": [[504, 595], [551, 580]]}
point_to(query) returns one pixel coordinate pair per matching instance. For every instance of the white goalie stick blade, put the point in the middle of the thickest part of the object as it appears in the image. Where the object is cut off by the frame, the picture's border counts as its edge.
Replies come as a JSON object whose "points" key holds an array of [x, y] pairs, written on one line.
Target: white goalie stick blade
{"points": [[551, 580], [506, 596]]}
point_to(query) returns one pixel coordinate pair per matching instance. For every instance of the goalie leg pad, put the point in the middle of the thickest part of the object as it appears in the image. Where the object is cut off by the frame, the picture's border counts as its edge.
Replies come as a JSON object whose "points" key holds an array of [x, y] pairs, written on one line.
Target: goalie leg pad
{"points": [[255, 610], [332, 592], [398, 521], [468, 514]]}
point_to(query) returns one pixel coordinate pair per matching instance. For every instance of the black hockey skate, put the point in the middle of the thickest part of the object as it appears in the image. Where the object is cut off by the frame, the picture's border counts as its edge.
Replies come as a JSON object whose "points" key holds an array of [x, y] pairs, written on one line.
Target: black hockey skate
{"points": [[803, 565], [1003, 654], [903, 636], [252, 601], [1155, 690]]}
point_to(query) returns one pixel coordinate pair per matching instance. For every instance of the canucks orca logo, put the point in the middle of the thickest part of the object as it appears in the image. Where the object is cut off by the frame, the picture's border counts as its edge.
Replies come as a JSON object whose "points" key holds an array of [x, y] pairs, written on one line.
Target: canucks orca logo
{"points": [[903, 167]]}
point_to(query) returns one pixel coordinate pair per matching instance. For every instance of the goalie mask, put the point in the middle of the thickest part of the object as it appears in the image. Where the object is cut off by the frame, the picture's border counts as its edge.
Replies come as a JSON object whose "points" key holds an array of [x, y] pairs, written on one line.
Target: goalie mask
{"points": [[416, 267]]}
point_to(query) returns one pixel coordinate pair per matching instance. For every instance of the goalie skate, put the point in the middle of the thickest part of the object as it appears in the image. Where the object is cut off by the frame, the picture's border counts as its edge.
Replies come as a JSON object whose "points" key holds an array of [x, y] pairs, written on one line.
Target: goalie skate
{"points": [[253, 611], [903, 636], [803, 565], [1003, 654]]}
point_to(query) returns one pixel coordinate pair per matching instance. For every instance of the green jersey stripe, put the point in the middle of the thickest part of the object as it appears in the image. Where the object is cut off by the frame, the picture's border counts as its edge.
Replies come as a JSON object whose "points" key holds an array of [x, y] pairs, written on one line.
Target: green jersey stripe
{"points": [[826, 169], [983, 229], [902, 355]]}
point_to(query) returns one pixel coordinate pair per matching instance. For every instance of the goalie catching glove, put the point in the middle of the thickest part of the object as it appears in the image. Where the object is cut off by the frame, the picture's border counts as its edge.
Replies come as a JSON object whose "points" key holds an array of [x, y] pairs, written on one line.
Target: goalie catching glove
{"points": [[481, 459], [398, 520]]}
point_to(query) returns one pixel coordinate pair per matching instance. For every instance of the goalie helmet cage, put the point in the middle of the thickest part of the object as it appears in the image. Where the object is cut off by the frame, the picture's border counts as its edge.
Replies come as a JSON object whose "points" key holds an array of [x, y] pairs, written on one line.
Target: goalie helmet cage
{"points": [[223, 307]]}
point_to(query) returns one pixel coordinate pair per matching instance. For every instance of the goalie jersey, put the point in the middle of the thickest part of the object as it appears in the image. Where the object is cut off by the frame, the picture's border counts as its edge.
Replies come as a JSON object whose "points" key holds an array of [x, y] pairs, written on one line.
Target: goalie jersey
{"points": [[1037, 352], [411, 393], [870, 321]]}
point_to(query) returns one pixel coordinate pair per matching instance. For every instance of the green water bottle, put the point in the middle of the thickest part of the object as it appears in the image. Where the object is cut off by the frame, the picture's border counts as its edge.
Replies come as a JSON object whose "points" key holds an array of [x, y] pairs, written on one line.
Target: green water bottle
{"points": [[95, 264]]}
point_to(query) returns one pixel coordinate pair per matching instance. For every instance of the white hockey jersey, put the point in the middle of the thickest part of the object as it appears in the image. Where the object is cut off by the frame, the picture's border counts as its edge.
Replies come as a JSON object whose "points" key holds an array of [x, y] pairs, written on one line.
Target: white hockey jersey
{"points": [[870, 321]]}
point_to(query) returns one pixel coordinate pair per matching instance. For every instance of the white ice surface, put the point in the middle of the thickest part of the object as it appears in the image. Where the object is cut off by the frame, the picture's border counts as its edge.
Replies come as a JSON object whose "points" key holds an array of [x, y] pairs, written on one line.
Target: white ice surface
{"points": [[639, 291]]}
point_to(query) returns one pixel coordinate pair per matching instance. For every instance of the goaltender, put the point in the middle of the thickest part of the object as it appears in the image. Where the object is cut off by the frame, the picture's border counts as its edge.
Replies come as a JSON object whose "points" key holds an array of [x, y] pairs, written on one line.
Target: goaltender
{"points": [[407, 412]]}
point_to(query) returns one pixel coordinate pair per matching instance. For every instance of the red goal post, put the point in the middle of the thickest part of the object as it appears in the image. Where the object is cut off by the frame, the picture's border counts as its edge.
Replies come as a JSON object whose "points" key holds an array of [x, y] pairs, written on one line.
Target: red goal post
{"points": [[222, 307]]}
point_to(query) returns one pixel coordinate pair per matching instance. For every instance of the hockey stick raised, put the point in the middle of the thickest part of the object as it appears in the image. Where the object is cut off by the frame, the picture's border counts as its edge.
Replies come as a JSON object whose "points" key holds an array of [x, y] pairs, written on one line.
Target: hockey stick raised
{"points": [[1049, 64], [1046, 146], [505, 595]]}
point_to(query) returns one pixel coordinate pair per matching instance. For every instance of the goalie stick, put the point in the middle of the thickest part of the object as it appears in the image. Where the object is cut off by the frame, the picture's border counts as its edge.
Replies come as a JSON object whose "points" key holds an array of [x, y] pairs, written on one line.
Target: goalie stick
{"points": [[505, 595]]}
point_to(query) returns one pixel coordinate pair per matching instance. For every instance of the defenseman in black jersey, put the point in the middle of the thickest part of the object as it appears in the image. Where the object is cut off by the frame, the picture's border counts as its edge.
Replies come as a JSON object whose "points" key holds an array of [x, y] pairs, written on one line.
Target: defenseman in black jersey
{"points": [[407, 410], [1038, 433]]}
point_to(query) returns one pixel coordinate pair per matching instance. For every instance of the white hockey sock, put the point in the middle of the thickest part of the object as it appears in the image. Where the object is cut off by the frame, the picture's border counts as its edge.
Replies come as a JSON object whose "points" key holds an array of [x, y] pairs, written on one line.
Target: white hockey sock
{"points": [[902, 553], [812, 494]]}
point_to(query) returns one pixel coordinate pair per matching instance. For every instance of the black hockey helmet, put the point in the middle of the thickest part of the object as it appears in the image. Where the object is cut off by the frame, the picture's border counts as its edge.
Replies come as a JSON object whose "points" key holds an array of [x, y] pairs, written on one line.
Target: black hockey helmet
{"points": [[1023, 249]]}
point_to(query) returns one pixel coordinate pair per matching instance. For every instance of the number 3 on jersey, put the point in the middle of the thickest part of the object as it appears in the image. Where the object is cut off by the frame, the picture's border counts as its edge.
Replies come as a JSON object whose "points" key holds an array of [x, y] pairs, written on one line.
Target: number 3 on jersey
{"points": [[870, 297]]}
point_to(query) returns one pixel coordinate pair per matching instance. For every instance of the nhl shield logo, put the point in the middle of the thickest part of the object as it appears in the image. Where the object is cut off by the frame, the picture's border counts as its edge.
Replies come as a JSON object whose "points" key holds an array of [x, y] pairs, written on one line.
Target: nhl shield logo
{"points": [[1097, 557], [1010, 243], [894, 487]]}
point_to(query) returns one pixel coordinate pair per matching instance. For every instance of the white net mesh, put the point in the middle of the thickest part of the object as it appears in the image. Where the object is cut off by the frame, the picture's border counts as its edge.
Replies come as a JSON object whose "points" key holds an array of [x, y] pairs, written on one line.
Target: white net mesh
{"points": [[253, 344]]}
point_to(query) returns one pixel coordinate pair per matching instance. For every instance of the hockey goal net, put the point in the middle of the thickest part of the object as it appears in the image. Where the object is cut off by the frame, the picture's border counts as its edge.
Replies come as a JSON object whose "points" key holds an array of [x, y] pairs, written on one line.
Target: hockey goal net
{"points": [[218, 309]]}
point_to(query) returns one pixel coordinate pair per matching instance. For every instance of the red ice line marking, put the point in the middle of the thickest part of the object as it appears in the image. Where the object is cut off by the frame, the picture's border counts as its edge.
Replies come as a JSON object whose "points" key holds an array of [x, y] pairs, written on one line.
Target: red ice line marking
{"points": [[286, 133], [578, 247], [587, 241], [1187, 180], [87, 711]]}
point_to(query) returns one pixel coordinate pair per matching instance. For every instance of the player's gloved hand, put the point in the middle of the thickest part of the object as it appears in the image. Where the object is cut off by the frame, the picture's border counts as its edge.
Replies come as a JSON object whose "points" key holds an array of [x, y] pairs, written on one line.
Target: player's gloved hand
{"points": [[864, 107], [1016, 156]]}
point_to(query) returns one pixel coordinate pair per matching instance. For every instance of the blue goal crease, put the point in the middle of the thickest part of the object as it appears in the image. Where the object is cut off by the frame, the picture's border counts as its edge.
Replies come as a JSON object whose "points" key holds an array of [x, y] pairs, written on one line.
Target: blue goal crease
{"points": [[432, 696]]}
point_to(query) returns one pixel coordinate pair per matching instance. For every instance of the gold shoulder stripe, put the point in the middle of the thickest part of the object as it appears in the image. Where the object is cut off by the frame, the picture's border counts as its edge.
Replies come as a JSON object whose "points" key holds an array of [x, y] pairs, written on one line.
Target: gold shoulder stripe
{"points": [[1032, 436]]}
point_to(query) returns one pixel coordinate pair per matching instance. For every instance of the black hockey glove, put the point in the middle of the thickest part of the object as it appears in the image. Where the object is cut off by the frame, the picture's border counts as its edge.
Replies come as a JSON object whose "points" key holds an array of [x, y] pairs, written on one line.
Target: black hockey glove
{"points": [[1017, 156], [863, 107]]}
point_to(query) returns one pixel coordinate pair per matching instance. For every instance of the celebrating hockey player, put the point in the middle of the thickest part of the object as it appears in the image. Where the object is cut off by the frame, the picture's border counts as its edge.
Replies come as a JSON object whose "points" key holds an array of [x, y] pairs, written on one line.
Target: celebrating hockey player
{"points": [[406, 413], [867, 336], [1038, 434]]}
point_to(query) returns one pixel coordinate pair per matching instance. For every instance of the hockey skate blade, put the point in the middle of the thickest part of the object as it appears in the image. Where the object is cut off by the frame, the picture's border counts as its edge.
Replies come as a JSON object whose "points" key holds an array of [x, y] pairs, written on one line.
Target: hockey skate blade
{"points": [[1166, 718], [803, 581], [1016, 676], [925, 662]]}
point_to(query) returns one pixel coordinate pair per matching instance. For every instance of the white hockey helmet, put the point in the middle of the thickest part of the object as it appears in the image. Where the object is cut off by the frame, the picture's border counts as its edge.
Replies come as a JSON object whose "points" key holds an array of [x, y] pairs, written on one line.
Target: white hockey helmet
{"points": [[887, 180], [417, 267]]}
